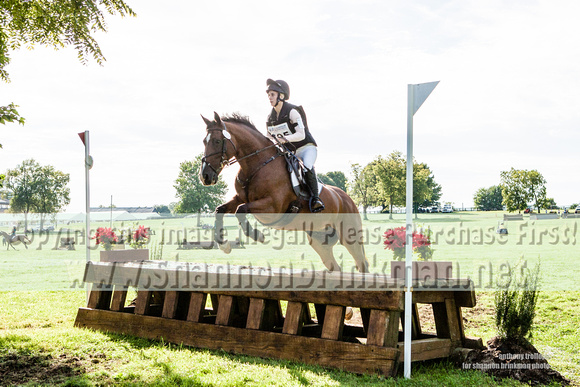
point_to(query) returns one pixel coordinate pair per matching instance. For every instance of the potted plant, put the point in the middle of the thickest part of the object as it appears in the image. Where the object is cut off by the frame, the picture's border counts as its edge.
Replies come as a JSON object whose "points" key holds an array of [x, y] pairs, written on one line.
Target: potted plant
{"points": [[423, 267], [106, 238]]}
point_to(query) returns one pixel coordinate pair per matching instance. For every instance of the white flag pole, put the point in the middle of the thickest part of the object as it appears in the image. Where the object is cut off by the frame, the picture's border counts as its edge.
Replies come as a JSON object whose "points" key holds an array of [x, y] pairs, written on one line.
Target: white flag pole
{"points": [[416, 95], [409, 234], [88, 165]]}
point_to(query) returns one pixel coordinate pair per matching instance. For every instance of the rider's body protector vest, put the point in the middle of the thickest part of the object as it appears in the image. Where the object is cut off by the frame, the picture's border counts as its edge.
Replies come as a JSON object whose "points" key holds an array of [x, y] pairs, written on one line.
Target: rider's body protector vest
{"points": [[284, 117]]}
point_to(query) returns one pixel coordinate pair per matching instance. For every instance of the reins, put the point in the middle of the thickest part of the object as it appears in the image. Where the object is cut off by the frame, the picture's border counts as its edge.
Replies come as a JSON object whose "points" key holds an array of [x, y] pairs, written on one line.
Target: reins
{"points": [[224, 162]]}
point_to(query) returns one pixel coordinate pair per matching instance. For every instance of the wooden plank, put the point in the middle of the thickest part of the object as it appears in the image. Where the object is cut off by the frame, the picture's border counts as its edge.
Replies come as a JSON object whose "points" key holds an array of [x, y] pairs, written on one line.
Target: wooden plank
{"points": [[256, 313], [465, 299], [392, 333], [392, 300], [427, 349], [264, 314], [377, 327], [383, 328], [294, 318], [333, 322], [272, 315], [455, 331], [416, 323], [350, 357], [170, 305], [143, 302], [197, 303], [100, 297], [119, 298], [441, 321], [225, 310]]}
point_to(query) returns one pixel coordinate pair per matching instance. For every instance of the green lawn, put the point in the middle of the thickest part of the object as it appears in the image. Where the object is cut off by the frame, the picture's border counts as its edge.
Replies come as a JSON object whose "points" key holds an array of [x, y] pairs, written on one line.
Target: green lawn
{"points": [[40, 295]]}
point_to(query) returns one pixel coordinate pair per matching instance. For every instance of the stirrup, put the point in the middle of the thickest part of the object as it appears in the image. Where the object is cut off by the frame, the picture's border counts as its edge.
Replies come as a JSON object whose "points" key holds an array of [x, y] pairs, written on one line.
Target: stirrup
{"points": [[316, 205]]}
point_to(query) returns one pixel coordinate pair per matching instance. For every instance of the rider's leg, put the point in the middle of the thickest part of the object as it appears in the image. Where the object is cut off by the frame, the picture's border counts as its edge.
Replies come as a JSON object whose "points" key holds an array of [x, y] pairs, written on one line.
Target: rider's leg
{"points": [[308, 154]]}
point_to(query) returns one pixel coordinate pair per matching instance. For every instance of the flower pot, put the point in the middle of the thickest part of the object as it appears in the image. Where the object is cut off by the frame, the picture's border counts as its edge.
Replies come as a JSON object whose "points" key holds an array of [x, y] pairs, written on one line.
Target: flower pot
{"points": [[125, 255], [423, 270]]}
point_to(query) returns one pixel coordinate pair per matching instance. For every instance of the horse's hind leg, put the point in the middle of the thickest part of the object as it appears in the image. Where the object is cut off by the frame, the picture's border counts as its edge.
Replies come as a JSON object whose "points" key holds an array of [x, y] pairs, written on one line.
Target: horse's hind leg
{"points": [[323, 242], [351, 236]]}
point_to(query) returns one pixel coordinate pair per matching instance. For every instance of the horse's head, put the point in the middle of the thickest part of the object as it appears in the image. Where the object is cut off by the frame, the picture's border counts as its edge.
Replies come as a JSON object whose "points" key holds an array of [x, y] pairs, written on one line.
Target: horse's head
{"points": [[219, 149]]}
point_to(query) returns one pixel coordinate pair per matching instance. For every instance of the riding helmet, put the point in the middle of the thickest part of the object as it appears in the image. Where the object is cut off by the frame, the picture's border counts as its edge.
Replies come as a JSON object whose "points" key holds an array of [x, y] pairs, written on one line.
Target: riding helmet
{"points": [[280, 86]]}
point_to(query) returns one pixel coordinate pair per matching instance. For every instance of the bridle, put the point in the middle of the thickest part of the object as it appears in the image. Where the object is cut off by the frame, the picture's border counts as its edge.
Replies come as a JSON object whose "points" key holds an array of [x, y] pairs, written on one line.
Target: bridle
{"points": [[224, 161]]}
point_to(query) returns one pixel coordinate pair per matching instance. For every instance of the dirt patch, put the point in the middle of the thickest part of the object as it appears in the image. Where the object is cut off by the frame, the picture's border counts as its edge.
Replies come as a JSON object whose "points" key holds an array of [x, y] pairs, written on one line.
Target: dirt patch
{"points": [[18, 367], [513, 360]]}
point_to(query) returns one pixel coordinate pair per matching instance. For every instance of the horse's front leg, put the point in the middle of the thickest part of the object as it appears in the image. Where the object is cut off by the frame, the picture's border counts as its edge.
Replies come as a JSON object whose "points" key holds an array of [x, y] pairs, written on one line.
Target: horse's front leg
{"points": [[259, 206], [226, 208]]}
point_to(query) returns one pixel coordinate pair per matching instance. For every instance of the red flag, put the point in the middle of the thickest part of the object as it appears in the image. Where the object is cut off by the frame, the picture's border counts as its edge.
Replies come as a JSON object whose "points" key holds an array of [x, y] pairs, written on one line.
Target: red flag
{"points": [[82, 136]]}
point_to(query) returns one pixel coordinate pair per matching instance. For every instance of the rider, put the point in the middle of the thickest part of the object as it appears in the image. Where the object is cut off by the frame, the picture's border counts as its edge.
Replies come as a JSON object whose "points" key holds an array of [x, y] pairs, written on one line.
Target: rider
{"points": [[287, 122]]}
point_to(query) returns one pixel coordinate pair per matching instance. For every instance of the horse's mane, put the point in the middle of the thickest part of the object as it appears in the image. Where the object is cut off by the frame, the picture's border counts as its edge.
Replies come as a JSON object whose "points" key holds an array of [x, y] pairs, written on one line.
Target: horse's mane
{"points": [[239, 119]]}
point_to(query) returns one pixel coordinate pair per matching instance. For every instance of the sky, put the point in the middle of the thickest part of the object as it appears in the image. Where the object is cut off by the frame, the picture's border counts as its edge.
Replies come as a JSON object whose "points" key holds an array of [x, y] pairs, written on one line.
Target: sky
{"points": [[509, 91]]}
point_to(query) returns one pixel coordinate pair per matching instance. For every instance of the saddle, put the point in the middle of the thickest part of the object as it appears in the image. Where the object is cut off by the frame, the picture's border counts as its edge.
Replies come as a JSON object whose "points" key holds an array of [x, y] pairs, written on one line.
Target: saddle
{"points": [[297, 170]]}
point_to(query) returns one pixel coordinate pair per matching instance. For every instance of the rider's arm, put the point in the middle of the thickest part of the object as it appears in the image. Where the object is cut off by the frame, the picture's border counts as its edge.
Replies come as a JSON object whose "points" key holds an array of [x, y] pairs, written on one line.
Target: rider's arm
{"points": [[296, 119]]}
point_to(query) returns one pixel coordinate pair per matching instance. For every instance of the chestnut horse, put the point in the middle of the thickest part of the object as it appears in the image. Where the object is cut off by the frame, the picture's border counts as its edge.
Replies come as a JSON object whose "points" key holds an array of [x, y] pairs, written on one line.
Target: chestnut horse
{"points": [[263, 189]]}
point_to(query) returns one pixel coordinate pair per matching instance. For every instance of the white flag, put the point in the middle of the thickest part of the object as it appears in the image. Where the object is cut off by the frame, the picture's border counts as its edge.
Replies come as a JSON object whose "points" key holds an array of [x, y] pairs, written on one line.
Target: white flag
{"points": [[420, 93]]}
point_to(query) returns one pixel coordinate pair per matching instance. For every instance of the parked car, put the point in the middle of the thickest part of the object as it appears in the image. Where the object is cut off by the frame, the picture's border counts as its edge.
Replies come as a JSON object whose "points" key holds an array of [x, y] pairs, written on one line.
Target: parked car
{"points": [[577, 210], [447, 208]]}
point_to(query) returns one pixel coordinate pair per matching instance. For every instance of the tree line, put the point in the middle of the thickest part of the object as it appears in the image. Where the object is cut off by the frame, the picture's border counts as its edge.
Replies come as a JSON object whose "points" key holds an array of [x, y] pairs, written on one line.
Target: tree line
{"points": [[518, 190]]}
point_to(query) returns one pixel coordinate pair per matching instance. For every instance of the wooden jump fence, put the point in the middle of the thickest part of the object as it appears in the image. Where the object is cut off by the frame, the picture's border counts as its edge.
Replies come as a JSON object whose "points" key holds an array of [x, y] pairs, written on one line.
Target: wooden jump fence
{"points": [[239, 309]]}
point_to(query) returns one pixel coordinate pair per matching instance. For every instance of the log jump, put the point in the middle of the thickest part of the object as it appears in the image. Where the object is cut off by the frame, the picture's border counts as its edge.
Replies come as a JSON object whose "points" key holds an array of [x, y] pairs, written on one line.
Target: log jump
{"points": [[280, 313]]}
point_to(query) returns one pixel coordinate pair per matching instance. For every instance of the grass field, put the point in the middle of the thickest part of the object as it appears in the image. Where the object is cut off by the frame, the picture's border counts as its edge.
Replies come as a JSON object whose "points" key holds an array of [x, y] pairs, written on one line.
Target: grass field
{"points": [[41, 289]]}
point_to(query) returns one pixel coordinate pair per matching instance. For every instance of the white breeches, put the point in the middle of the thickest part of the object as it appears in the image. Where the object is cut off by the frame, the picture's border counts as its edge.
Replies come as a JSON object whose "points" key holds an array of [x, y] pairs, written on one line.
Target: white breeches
{"points": [[307, 154]]}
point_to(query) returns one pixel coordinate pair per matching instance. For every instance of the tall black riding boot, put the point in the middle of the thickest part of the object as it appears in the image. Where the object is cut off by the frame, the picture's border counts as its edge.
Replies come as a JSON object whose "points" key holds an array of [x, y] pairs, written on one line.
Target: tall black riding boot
{"points": [[316, 204]]}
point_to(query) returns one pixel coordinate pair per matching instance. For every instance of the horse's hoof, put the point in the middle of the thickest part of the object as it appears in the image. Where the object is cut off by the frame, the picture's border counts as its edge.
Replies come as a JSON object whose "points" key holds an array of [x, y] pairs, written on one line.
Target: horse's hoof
{"points": [[260, 236], [348, 314], [226, 247]]}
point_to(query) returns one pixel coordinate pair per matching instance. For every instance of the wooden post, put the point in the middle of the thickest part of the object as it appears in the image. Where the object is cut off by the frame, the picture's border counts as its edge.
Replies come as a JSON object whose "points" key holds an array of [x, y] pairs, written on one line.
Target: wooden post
{"points": [[119, 298], [294, 318], [100, 297], [333, 322], [196, 306], [383, 328], [143, 302], [225, 310], [170, 305]]}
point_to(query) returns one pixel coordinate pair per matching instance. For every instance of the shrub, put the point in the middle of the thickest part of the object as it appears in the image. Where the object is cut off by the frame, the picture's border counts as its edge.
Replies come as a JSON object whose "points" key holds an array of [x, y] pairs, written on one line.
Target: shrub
{"points": [[515, 303]]}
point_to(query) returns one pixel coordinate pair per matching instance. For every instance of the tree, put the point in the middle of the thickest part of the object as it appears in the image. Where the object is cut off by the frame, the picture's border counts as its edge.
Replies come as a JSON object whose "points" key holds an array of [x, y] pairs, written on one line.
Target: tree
{"points": [[550, 204], [193, 196], [536, 189], [489, 199], [55, 24], [513, 189], [521, 187], [364, 189], [435, 188], [339, 179], [425, 189], [391, 175], [161, 209], [336, 178], [51, 193], [37, 189], [21, 181]]}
